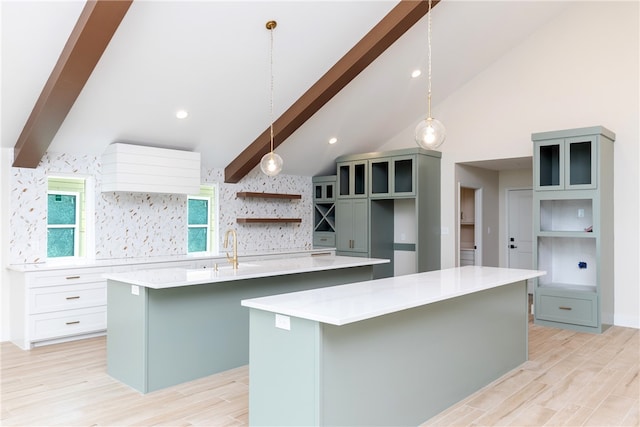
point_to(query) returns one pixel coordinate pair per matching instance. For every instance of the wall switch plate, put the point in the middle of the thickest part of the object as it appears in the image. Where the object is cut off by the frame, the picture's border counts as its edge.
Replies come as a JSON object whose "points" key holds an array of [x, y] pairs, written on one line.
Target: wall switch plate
{"points": [[135, 290], [283, 322], [581, 213]]}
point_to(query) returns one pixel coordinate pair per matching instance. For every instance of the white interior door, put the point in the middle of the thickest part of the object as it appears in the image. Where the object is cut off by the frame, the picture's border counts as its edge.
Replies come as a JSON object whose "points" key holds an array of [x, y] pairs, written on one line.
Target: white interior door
{"points": [[520, 232]]}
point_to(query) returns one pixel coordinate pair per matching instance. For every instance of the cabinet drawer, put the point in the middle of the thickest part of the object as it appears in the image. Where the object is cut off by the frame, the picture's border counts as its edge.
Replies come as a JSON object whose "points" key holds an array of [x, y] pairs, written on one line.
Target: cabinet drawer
{"points": [[66, 277], [56, 298], [324, 239], [70, 322], [574, 310]]}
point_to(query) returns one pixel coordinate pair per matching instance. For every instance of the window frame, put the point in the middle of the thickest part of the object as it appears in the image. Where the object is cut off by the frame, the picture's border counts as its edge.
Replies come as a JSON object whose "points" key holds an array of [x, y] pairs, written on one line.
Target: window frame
{"points": [[206, 226], [210, 192], [86, 245], [75, 226]]}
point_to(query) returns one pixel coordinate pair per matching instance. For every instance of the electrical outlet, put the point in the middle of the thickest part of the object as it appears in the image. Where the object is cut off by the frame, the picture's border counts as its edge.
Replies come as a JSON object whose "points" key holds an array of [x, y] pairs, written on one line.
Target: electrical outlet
{"points": [[580, 213]]}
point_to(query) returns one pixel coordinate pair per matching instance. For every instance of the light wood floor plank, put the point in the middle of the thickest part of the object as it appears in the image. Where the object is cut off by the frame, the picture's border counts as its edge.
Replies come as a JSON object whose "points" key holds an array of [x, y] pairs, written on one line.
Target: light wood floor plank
{"points": [[571, 379]]}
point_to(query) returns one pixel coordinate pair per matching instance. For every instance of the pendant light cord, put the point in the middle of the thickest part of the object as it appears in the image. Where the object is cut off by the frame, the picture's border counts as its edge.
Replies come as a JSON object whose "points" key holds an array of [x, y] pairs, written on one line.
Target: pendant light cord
{"points": [[271, 71], [429, 59]]}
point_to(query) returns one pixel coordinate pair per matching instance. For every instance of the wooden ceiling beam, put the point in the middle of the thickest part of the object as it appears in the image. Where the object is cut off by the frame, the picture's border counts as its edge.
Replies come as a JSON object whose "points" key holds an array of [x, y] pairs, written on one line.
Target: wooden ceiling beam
{"points": [[92, 33], [384, 34]]}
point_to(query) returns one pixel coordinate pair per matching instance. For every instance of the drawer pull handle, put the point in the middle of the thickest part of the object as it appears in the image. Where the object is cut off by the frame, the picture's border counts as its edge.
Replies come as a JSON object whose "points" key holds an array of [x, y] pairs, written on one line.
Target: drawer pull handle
{"points": [[75, 322], [76, 297], [72, 277], [565, 308]]}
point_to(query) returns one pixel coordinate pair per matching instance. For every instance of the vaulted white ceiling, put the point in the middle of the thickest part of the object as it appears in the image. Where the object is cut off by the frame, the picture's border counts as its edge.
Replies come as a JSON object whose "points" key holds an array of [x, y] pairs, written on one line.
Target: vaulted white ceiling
{"points": [[212, 59]]}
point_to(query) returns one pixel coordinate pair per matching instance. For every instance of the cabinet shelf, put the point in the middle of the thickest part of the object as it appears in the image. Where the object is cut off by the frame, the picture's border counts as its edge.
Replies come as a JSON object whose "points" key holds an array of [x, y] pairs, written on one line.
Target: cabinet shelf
{"points": [[249, 194], [267, 220], [578, 234], [589, 289]]}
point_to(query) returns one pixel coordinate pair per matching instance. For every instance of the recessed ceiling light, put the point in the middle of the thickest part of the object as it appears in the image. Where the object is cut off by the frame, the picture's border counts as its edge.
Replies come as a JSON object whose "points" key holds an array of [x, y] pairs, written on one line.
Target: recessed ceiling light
{"points": [[182, 114], [333, 140], [416, 73]]}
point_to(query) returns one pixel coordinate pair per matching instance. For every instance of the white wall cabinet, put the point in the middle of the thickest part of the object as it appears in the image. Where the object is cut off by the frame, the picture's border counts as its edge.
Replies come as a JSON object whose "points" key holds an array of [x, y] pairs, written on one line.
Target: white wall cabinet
{"points": [[573, 228]]}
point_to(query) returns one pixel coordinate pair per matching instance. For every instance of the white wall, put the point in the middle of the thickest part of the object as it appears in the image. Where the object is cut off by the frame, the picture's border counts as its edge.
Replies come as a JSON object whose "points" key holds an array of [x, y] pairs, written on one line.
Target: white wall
{"points": [[6, 155], [579, 70]]}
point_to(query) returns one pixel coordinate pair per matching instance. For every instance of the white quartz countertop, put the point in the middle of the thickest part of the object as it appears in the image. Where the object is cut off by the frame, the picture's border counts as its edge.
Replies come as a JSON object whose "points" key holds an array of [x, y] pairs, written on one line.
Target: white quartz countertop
{"points": [[162, 278], [65, 264], [343, 304]]}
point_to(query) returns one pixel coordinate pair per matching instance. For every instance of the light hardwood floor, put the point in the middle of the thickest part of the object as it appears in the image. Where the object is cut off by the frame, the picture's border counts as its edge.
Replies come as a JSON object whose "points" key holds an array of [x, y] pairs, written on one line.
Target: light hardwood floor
{"points": [[571, 379]]}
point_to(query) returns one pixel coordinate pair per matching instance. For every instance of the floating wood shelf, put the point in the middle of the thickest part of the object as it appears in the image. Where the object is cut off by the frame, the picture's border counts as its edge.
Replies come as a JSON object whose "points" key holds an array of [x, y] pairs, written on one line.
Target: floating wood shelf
{"points": [[258, 220], [245, 194]]}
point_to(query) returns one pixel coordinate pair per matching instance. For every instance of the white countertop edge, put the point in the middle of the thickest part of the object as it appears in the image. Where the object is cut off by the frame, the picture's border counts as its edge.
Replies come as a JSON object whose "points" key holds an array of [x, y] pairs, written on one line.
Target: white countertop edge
{"points": [[53, 264], [310, 309], [165, 278]]}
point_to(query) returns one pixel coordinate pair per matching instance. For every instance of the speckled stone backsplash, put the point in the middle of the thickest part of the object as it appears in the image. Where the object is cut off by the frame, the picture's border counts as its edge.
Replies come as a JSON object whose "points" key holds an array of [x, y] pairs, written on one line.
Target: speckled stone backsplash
{"points": [[132, 225]]}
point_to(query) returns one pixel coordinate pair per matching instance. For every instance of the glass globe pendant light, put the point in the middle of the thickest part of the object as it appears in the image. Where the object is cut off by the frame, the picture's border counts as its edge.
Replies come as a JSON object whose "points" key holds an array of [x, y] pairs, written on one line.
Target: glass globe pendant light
{"points": [[271, 163], [430, 133]]}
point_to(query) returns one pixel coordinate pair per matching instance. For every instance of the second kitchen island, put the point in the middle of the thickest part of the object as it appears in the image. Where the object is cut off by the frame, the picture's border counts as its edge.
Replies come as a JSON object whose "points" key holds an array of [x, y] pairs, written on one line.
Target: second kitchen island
{"points": [[386, 352], [168, 326]]}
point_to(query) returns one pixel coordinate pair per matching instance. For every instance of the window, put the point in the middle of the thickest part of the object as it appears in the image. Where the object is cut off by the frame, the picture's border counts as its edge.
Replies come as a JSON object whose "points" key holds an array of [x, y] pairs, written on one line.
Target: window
{"points": [[66, 225], [62, 224], [201, 221]]}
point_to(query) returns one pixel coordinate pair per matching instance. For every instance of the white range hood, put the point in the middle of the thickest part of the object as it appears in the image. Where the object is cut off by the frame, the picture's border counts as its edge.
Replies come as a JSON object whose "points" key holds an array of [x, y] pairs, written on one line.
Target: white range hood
{"points": [[142, 169]]}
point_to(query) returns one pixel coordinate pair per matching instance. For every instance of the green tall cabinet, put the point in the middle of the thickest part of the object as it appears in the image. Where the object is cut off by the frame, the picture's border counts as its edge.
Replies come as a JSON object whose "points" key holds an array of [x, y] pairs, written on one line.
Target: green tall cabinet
{"points": [[573, 228], [388, 206], [324, 211]]}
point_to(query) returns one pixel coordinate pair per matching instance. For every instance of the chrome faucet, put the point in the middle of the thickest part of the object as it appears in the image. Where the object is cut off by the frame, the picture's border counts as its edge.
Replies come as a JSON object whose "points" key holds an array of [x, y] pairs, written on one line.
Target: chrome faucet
{"points": [[234, 259]]}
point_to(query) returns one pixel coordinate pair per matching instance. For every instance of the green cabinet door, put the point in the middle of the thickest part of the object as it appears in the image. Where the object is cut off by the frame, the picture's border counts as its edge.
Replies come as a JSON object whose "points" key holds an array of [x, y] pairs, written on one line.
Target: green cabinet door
{"points": [[352, 219]]}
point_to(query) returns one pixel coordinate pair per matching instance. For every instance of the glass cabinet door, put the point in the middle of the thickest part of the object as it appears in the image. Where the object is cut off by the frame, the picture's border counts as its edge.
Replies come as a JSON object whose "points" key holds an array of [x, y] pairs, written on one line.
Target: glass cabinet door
{"points": [[580, 163], [323, 192], [392, 177], [549, 165], [360, 179], [565, 164], [379, 174], [352, 179], [404, 176]]}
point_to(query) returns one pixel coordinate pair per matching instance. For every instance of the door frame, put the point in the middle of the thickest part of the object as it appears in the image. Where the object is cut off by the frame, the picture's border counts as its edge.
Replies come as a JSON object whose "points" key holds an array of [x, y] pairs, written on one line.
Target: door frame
{"points": [[477, 223], [507, 216]]}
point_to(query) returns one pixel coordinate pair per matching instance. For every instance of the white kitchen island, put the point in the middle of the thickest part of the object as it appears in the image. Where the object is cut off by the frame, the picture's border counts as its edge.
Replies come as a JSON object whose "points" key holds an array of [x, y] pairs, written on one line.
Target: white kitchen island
{"points": [[170, 325], [392, 351]]}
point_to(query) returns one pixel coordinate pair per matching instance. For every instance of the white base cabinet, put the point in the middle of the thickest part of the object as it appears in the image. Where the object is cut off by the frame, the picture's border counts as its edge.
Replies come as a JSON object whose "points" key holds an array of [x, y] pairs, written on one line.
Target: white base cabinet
{"points": [[54, 306], [57, 305]]}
